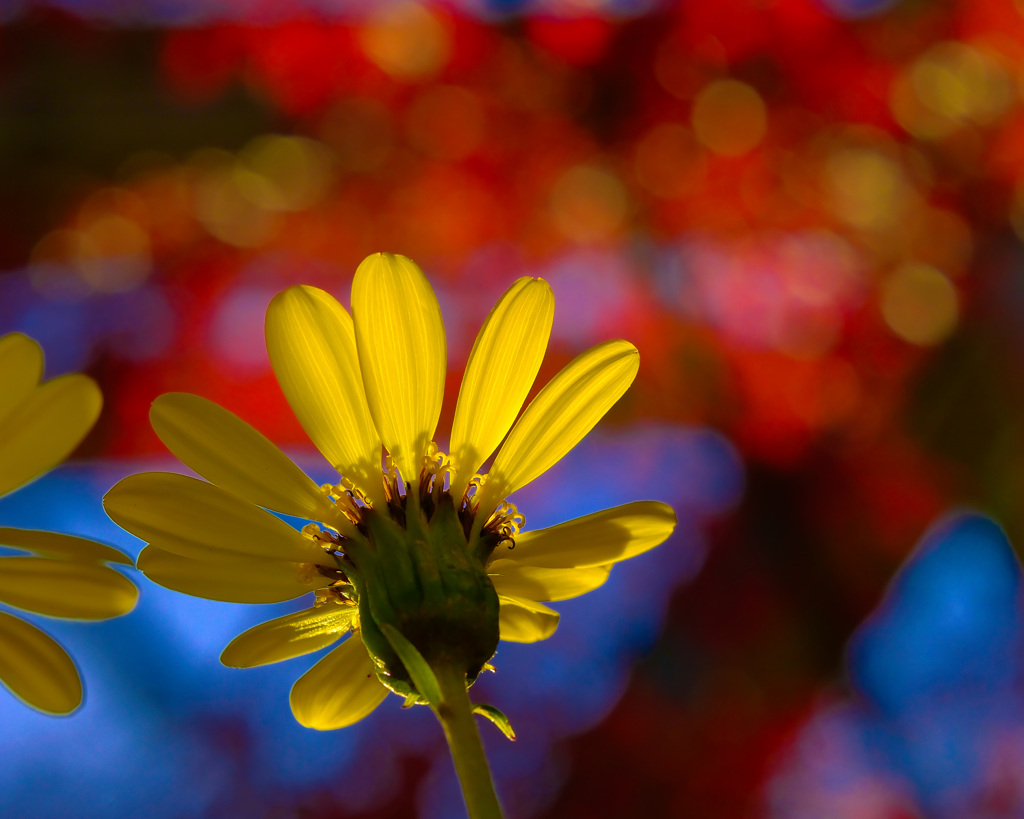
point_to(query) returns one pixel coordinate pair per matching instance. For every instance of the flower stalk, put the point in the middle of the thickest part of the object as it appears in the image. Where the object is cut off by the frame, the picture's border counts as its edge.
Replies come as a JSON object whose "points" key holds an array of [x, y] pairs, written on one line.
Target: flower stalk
{"points": [[455, 712]]}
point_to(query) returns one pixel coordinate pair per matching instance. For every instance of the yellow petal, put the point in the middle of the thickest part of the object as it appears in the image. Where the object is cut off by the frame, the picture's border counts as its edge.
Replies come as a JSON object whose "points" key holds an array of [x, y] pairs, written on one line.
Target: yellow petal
{"points": [[199, 520], [290, 636], [62, 588], [537, 583], [44, 428], [312, 348], [226, 451], [524, 621], [339, 690], [61, 547], [402, 353], [249, 580], [21, 367], [501, 369], [560, 416], [36, 669], [594, 540]]}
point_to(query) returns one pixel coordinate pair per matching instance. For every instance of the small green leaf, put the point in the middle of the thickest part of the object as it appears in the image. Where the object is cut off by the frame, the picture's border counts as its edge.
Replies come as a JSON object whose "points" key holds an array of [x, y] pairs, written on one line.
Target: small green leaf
{"points": [[498, 718], [421, 673]]}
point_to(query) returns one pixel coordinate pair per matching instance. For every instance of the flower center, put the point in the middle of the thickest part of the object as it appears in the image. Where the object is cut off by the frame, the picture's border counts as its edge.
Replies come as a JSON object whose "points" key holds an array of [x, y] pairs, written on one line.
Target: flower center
{"points": [[419, 565]]}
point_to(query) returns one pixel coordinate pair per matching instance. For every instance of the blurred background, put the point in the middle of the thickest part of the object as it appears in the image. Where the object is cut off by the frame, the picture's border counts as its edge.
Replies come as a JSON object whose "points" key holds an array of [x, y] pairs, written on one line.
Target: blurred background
{"points": [[807, 214]]}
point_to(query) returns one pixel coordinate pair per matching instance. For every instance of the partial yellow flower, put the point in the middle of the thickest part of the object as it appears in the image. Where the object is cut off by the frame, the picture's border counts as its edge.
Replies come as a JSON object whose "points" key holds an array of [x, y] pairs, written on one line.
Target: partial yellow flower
{"points": [[412, 554], [58, 575]]}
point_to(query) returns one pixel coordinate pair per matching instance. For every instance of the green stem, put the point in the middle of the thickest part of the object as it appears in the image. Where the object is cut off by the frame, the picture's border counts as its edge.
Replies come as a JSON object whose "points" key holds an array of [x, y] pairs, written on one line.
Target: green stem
{"points": [[456, 715]]}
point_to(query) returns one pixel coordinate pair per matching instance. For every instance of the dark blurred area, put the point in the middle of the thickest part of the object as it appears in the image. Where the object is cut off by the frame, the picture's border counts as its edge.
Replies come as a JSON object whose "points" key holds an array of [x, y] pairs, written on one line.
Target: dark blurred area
{"points": [[806, 214]]}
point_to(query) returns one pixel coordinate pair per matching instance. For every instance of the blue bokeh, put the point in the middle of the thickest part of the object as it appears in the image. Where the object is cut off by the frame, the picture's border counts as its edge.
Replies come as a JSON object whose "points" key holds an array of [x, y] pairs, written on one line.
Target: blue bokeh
{"points": [[167, 731], [936, 725]]}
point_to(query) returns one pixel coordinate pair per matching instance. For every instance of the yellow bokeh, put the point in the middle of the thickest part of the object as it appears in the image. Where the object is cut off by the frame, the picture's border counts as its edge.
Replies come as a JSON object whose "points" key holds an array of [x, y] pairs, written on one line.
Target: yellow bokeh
{"points": [[589, 203], [223, 208], [919, 304], [117, 256], [868, 189], [729, 118], [406, 40], [283, 173], [949, 86], [109, 254]]}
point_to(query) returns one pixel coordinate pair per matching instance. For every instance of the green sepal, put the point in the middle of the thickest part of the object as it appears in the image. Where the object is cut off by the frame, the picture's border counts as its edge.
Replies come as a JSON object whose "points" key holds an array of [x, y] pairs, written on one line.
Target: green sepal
{"points": [[423, 582], [497, 717], [422, 675]]}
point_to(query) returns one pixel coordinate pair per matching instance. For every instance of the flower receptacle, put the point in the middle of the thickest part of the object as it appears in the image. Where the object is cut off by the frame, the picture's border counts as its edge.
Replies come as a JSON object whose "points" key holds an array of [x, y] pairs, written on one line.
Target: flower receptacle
{"points": [[424, 581]]}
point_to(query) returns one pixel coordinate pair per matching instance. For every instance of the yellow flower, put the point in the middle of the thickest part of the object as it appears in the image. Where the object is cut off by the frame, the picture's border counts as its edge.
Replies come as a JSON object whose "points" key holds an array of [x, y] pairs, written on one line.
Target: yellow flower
{"points": [[384, 567], [62, 575]]}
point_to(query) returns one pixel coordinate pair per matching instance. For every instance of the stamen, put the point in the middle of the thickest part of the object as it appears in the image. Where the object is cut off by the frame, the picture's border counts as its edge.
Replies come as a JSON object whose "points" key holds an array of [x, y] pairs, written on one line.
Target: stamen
{"points": [[390, 475], [473, 488], [324, 538], [436, 467], [349, 498], [337, 594], [506, 521]]}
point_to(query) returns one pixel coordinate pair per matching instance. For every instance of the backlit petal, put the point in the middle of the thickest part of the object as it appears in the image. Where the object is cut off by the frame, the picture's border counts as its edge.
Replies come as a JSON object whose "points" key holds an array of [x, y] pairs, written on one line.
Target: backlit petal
{"points": [[36, 669], [64, 588], [61, 547], [560, 416], [594, 540], [290, 636], [44, 428], [312, 348], [199, 520], [227, 451], [537, 583], [524, 621], [402, 353], [339, 690], [501, 369], [250, 580], [21, 367]]}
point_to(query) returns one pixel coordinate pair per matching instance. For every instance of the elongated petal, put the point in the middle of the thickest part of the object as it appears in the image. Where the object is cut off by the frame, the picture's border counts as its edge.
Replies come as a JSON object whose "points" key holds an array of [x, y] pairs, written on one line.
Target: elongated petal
{"points": [[44, 428], [226, 451], [501, 369], [21, 367], [61, 547], [36, 669], [402, 354], [62, 588], [290, 636], [339, 690], [249, 580], [560, 416], [199, 520], [525, 621], [595, 540], [312, 348], [537, 583]]}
